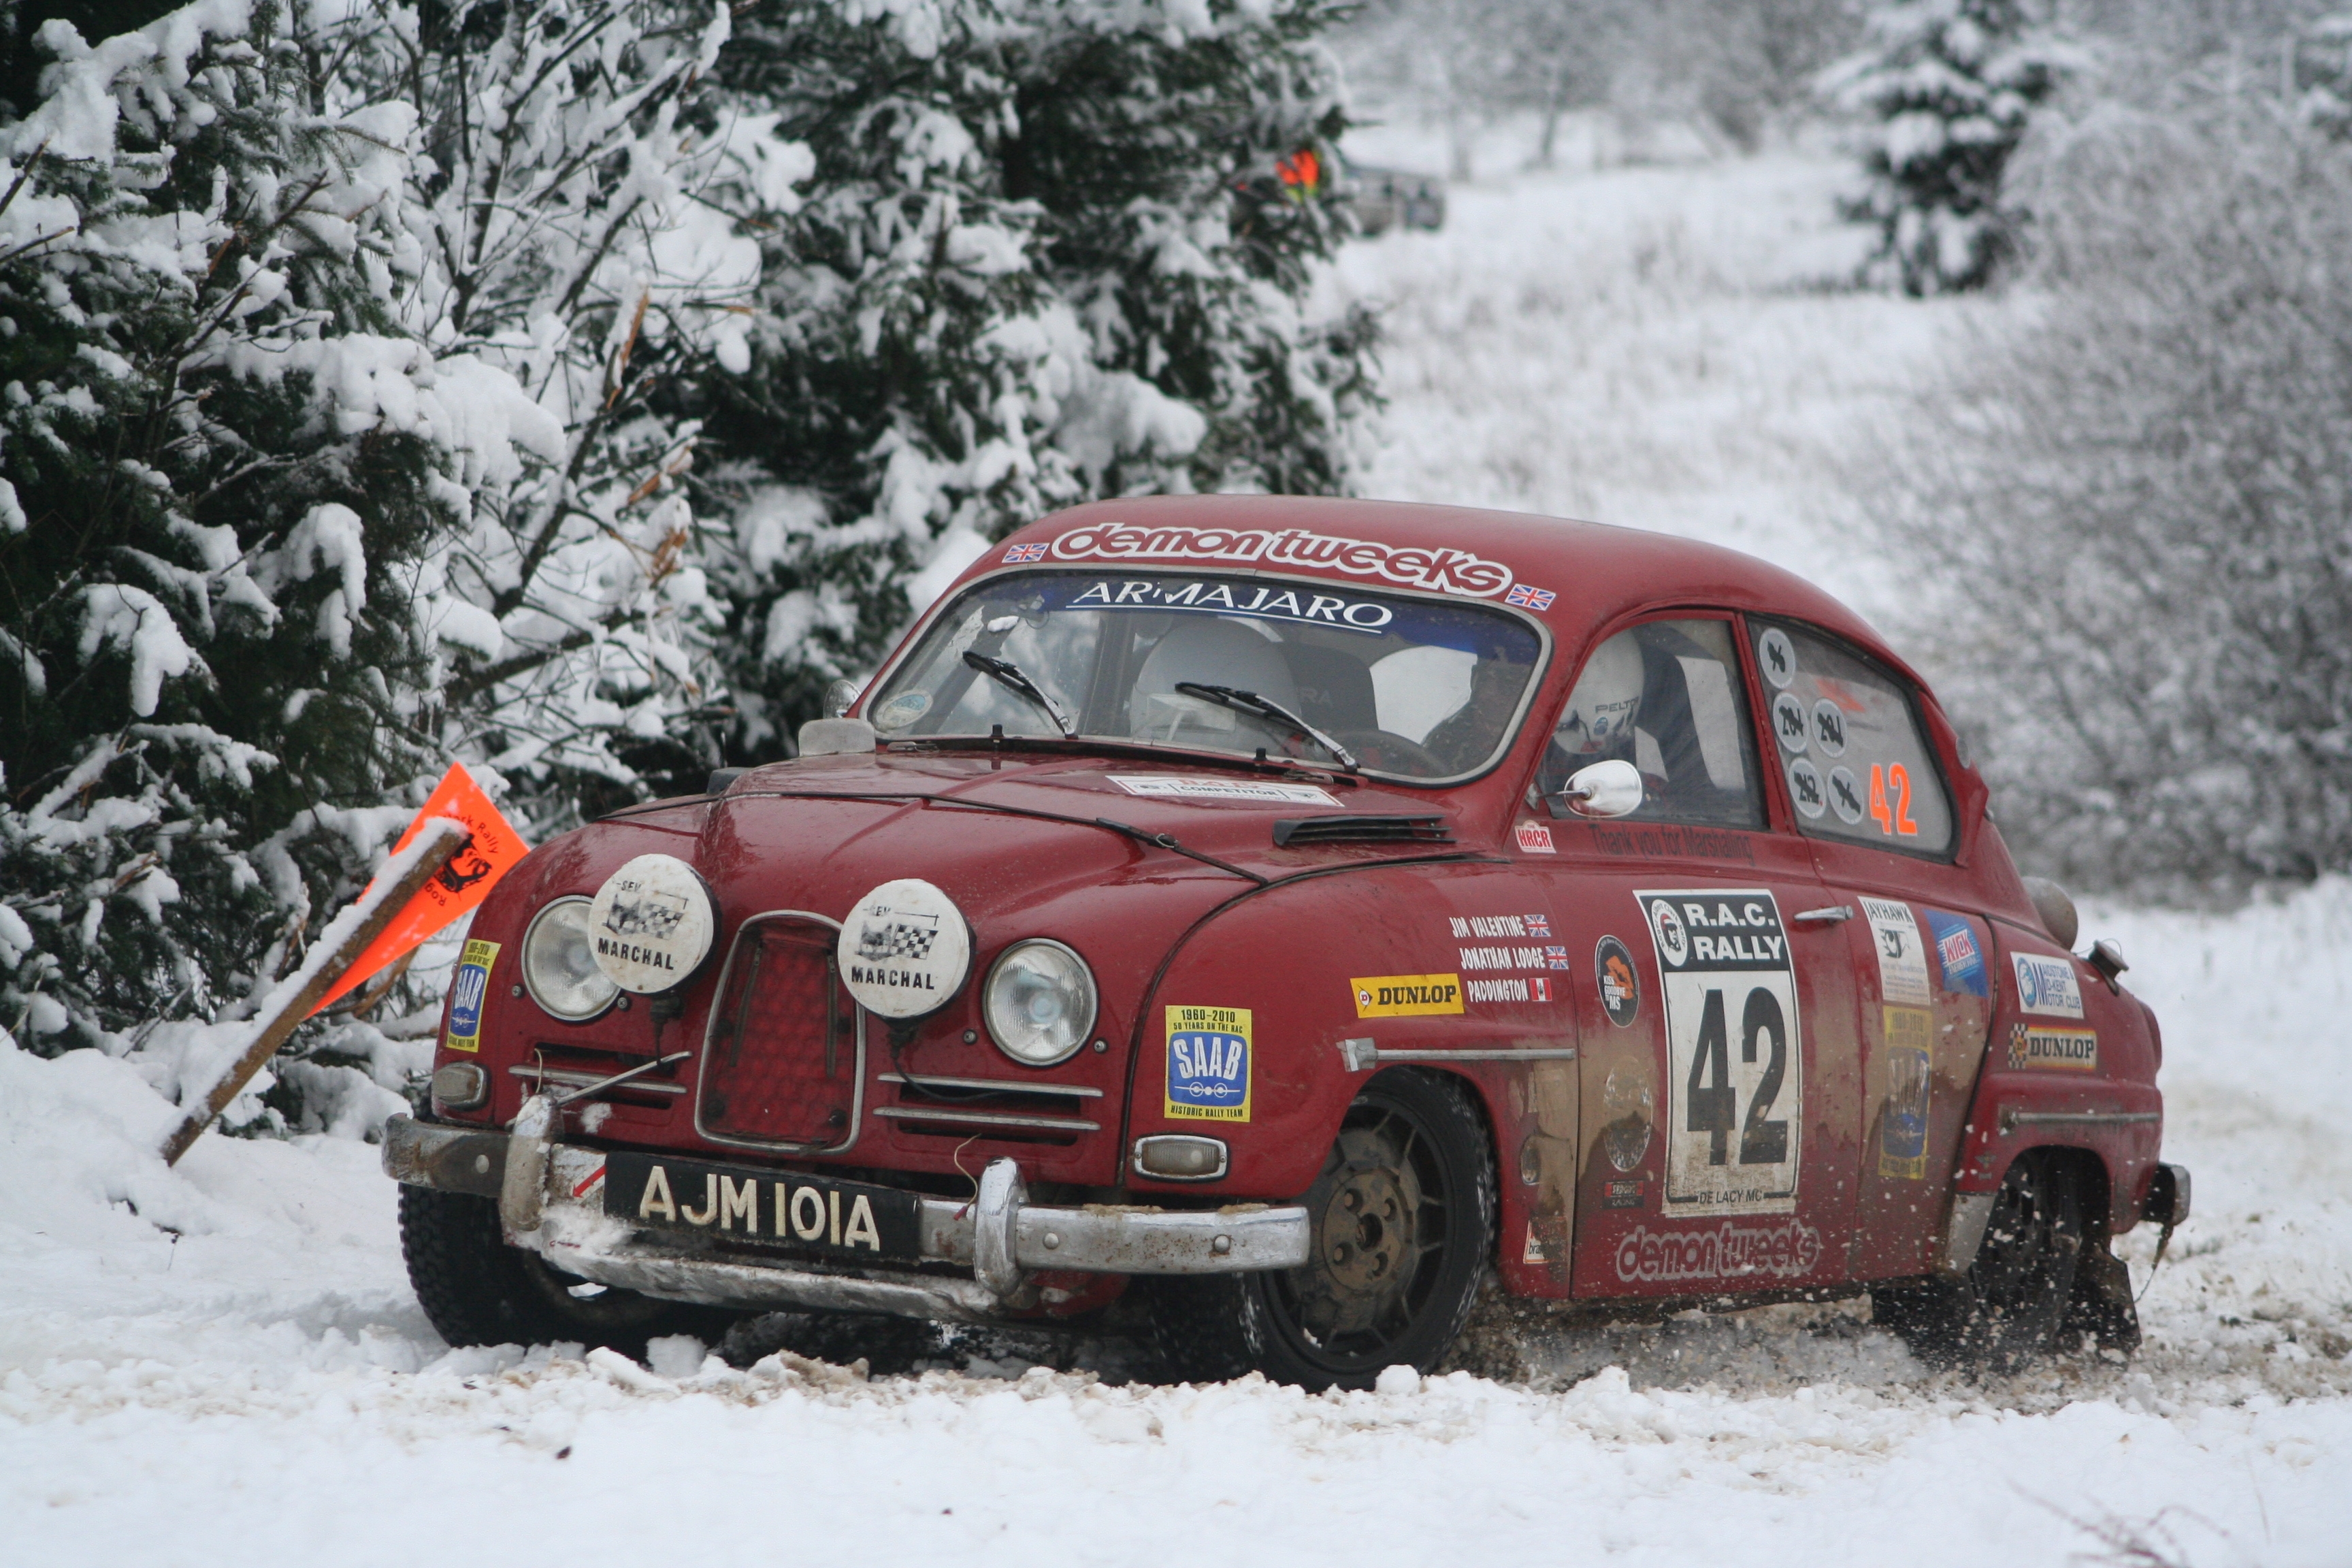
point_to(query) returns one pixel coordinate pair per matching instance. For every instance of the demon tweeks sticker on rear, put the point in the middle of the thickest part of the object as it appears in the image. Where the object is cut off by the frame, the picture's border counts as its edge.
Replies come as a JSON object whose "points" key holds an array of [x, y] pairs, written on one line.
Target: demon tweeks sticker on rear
{"points": [[1208, 1064], [1735, 1069]]}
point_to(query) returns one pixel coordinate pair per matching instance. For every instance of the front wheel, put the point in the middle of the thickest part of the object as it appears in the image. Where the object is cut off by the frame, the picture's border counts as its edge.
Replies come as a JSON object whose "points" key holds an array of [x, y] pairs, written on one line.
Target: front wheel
{"points": [[1404, 1224], [477, 1290]]}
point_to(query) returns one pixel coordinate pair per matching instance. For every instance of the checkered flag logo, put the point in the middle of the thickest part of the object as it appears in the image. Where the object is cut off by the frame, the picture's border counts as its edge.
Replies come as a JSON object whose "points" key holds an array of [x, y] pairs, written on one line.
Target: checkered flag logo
{"points": [[896, 939]]}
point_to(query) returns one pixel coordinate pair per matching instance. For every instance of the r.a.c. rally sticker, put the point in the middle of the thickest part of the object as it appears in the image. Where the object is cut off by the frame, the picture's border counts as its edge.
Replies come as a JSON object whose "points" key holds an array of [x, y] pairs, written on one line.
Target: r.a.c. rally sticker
{"points": [[1208, 1064], [466, 993]]}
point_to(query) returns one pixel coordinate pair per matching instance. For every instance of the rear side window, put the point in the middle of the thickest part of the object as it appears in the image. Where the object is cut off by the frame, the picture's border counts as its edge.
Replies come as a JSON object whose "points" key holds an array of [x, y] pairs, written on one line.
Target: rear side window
{"points": [[1848, 741], [1665, 696]]}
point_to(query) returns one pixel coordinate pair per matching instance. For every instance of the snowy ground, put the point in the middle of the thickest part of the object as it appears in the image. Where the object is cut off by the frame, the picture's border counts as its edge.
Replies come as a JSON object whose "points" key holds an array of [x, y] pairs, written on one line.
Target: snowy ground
{"points": [[225, 1363]]}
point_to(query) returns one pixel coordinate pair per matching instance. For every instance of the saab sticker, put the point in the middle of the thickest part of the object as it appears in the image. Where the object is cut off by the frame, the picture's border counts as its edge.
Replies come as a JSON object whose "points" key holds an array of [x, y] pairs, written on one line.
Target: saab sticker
{"points": [[466, 993], [2047, 985], [1619, 988], [1902, 963], [1902, 1119], [1407, 996], [1957, 952], [1535, 839], [1734, 1074], [2064, 1050], [1208, 1064]]}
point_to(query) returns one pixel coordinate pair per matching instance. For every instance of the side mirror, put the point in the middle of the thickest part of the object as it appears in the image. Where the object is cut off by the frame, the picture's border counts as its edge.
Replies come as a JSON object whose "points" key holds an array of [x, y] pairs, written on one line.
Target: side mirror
{"points": [[1613, 788]]}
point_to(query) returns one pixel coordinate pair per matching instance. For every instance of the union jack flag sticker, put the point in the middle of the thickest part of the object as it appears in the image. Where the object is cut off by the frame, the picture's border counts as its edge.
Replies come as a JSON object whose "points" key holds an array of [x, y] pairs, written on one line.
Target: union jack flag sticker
{"points": [[1555, 957], [1537, 925], [1526, 596], [1021, 555]]}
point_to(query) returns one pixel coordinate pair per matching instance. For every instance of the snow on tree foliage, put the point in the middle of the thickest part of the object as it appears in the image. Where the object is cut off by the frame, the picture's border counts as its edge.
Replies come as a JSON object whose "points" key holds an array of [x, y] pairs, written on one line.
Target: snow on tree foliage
{"points": [[1045, 255], [2134, 516], [1949, 88], [331, 334]]}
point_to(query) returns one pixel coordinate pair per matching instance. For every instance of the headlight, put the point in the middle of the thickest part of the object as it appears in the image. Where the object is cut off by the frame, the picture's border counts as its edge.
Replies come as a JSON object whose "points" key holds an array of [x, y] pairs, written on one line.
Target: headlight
{"points": [[1040, 1002], [559, 962]]}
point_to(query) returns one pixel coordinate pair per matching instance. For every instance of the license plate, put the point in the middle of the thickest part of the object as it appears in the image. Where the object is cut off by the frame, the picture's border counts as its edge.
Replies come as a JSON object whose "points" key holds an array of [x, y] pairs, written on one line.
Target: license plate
{"points": [[840, 1219]]}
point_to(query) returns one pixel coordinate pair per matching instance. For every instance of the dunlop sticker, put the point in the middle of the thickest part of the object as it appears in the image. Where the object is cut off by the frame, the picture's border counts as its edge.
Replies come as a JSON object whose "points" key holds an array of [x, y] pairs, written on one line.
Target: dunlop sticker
{"points": [[1407, 996], [1208, 1065], [2065, 1050], [466, 993]]}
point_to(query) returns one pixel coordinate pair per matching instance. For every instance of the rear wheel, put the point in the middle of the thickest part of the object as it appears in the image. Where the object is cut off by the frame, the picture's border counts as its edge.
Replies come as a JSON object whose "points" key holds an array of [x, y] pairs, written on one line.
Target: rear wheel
{"points": [[2008, 1310], [1403, 1223], [477, 1290]]}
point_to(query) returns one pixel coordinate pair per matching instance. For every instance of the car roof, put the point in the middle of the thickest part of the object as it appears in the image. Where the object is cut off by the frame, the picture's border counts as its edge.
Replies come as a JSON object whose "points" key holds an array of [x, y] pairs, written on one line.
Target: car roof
{"points": [[1575, 576]]}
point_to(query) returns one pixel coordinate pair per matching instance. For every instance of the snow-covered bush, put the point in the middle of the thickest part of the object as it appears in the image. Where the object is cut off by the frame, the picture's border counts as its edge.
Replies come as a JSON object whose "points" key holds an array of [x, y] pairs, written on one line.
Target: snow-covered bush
{"points": [[1947, 88], [2321, 66], [2133, 520], [1042, 256]]}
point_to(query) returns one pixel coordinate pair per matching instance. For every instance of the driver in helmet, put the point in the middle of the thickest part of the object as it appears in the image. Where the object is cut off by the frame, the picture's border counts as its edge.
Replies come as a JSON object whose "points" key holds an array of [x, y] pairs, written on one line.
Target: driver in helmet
{"points": [[1633, 703]]}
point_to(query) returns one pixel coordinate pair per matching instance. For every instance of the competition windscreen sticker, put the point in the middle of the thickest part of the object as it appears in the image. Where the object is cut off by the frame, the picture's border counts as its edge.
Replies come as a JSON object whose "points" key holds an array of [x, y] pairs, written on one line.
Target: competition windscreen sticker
{"points": [[466, 993], [1735, 1065], [1208, 1064]]}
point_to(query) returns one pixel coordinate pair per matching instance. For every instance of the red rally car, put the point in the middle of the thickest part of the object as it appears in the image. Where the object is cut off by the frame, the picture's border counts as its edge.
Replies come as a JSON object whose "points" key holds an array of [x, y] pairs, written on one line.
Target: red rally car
{"points": [[1290, 911]]}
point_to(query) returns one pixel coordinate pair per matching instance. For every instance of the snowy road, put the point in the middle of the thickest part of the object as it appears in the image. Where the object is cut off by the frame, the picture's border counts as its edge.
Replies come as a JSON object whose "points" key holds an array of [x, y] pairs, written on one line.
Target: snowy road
{"points": [[224, 1364]]}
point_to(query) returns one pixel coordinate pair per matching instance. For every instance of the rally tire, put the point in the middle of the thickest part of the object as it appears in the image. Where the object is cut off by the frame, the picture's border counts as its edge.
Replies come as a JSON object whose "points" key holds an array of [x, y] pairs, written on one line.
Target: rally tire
{"points": [[477, 1290], [1403, 1217], [2010, 1309]]}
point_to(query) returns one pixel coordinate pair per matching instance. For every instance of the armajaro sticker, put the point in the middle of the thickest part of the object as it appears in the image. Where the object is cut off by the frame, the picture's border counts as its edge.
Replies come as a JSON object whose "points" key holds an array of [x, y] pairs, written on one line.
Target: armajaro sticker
{"points": [[1208, 1064], [467, 992], [1735, 1061]]}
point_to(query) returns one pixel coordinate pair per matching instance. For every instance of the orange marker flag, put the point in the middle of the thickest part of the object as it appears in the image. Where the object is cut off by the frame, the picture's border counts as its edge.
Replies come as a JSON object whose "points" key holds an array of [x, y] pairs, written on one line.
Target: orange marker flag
{"points": [[465, 882]]}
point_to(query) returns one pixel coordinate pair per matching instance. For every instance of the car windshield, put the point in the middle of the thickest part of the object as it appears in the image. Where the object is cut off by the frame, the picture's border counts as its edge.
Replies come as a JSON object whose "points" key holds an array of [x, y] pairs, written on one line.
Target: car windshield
{"points": [[1416, 688]]}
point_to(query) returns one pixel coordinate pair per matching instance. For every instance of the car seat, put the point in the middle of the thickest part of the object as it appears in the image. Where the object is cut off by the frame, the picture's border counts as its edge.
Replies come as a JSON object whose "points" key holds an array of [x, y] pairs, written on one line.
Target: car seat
{"points": [[1213, 651]]}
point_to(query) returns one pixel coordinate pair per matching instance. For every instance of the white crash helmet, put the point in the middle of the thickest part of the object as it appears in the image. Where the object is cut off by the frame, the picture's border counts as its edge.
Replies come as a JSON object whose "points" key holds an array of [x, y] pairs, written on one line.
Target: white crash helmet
{"points": [[1606, 701]]}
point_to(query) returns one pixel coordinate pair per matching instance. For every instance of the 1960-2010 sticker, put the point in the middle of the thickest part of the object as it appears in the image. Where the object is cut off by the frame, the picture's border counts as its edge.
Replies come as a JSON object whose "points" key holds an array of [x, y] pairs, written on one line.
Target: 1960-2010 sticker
{"points": [[1735, 1067], [468, 992], [1209, 1065]]}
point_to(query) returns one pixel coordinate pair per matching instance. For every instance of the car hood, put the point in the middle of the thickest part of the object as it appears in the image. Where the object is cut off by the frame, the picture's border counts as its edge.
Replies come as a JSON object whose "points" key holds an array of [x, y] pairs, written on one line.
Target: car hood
{"points": [[998, 834]]}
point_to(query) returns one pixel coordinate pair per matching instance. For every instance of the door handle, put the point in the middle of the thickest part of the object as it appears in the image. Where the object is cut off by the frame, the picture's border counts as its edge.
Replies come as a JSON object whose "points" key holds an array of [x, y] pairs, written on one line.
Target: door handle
{"points": [[1829, 915]]}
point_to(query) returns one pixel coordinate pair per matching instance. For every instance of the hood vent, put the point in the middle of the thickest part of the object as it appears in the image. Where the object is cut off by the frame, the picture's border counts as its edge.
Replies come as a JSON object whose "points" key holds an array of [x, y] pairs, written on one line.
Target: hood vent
{"points": [[1290, 832]]}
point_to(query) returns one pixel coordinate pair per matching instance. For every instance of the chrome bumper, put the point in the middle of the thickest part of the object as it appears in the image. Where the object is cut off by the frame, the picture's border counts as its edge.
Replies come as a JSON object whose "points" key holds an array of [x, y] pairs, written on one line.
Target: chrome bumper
{"points": [[999, 1235]]}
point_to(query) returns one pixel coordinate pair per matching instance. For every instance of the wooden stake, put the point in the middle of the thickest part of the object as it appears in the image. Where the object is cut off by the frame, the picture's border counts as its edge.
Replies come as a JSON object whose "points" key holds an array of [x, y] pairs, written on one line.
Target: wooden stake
{"points": [[276, 1027]]}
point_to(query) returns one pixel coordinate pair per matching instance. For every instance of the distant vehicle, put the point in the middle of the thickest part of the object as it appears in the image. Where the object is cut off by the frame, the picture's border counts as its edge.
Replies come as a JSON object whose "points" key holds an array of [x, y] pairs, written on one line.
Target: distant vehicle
{"points": [[1291, 912], [1383, 199]]}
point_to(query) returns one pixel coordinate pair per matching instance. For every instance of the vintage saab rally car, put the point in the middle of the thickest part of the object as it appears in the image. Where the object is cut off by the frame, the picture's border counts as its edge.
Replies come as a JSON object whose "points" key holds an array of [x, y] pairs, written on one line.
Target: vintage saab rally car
{"points": [[1285, 912]]}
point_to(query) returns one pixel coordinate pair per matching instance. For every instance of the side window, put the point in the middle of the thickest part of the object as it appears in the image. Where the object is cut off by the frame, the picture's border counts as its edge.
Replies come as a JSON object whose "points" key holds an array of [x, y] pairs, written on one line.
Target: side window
{"points": [[1666, 697], [1849, 745]]}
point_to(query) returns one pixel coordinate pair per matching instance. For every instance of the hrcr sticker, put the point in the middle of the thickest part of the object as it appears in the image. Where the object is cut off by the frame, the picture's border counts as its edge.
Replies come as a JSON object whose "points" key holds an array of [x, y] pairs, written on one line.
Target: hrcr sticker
{"points": [[1535, 839], [1735, 1071], [1209, 1065], [1957, 952], [1902, 1119], [1407, 996], [2061, 1050], [1902, 964], [1620, 986], [2047, 985], [466, 993]]}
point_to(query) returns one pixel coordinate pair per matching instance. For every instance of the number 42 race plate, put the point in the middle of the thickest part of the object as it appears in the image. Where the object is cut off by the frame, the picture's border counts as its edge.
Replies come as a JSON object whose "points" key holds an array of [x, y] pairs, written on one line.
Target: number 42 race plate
{"points": [[1735, 1071]]}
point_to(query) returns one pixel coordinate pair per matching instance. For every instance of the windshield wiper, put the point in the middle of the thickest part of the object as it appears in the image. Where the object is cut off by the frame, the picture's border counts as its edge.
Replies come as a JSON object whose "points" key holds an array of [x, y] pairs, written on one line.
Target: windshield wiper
{"points": [[1006, 673], [1264, 708]]}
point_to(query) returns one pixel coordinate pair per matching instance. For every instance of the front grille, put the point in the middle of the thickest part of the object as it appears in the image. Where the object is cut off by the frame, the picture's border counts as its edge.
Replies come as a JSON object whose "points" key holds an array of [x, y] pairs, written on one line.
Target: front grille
{"points": [[785, 1055]]}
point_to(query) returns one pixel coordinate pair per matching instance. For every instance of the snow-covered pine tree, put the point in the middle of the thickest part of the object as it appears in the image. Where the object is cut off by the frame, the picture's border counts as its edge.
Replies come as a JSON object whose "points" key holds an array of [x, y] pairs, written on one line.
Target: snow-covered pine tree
{"points": [[1947, 88], [1047, 256], [326, 363]]}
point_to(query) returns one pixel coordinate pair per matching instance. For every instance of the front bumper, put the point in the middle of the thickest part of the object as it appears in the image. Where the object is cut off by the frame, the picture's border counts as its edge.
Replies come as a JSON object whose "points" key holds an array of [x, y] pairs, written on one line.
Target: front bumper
{"points": [[998, 1236]]}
